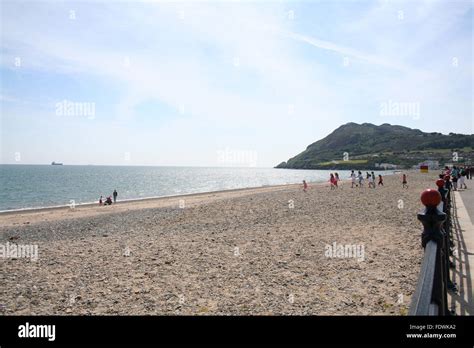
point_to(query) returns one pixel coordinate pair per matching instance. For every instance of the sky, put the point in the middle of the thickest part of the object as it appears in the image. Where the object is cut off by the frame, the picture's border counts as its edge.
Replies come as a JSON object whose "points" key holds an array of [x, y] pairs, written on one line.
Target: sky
{"points": [[224, 83]]}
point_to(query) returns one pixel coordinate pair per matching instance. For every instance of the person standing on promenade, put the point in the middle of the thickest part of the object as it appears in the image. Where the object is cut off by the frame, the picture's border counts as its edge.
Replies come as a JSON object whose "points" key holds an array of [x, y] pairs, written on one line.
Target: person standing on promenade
{"points": [[404, 181], [454, 171], [353, 179], [447, 171], [380, 181], [115, 196], [305, 186], [447, 183], [462, 177], [454, 178]]}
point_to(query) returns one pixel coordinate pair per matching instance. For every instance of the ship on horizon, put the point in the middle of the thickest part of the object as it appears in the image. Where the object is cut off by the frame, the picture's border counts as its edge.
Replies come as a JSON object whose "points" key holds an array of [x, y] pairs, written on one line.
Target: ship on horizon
{"points": [[56, 164]]}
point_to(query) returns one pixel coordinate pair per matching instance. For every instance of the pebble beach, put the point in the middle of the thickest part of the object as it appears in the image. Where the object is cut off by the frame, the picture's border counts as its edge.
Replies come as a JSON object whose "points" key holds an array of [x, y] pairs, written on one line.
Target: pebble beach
{"points": [[261, 251]]}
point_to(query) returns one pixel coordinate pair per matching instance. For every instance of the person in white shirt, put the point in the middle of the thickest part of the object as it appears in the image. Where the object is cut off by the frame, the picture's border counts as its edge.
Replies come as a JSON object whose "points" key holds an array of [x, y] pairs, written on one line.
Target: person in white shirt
{"points": [[371, 182], [361, 179], [353, 178]]}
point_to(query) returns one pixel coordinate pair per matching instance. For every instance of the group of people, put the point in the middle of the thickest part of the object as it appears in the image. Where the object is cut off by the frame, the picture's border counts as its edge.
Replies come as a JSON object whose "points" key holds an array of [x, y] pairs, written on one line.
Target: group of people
{"points": [[358, 180], [333, 180], [108, 200], [456, 176]]}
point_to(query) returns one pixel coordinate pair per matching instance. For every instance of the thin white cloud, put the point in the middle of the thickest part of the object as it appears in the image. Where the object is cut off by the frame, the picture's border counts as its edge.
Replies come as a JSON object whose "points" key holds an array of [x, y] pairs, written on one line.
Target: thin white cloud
{"points": [[326, 45]]}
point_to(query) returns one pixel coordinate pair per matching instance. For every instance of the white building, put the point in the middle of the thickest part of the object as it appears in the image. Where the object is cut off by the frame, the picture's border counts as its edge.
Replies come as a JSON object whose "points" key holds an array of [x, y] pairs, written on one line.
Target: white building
{"points": [[386, 165]]}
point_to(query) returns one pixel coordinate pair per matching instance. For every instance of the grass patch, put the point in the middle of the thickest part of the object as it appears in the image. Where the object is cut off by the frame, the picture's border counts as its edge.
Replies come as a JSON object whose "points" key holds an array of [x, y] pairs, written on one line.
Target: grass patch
{"points": [[355, 161]]}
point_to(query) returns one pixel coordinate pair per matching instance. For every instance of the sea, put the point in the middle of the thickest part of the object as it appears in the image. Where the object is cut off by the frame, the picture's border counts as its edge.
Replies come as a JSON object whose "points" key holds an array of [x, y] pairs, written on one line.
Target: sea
{"points": [[40, 186]]}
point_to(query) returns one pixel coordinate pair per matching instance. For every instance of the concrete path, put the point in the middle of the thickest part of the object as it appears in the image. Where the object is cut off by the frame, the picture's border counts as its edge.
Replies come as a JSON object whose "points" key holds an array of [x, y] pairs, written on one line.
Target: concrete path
{"points": [[468, 198], [463, 235]]}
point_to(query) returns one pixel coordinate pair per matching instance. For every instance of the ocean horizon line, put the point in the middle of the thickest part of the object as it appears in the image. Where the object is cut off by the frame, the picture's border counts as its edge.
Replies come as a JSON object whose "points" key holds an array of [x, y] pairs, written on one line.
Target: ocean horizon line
{"points": [[135, 165]]}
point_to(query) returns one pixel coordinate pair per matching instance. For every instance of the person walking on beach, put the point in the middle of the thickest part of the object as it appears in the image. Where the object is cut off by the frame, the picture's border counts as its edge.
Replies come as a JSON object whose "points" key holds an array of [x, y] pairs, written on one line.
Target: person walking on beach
{"points": [[361, 179], [380, 181], [371, 182], [404, 181], [336, 175], [100, 200], [332, 180], [305, 186], [353, 179], [115, 194]]}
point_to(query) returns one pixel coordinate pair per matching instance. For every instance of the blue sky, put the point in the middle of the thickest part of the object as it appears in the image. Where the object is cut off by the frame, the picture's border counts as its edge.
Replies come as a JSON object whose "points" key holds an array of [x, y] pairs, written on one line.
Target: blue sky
{"points": [[178, 83]]}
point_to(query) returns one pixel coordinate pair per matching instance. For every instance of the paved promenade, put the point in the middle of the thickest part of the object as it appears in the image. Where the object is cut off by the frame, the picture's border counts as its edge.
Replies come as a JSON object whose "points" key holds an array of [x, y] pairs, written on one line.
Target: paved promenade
{"points": [[468, 199], [463, 234]]}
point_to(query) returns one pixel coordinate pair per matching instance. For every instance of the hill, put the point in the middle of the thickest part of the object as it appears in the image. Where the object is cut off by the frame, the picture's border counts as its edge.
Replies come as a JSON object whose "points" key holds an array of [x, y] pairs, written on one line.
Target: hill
{"points": [[365, 146]]}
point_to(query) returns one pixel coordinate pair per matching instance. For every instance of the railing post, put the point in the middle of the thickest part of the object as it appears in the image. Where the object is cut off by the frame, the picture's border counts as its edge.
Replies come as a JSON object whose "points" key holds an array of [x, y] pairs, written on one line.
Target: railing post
{"points": [[446, 197], [432, 220]]}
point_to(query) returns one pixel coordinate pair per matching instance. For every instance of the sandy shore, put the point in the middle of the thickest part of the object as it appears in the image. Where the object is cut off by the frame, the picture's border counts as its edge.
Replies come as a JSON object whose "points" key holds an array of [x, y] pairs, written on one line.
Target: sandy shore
{"points": [[258, 251]]}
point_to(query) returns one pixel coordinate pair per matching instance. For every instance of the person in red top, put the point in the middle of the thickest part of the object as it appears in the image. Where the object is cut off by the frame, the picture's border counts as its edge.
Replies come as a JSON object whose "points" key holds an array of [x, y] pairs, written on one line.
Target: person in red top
{"points": [[333, 181], [305, 186], [447, 171], [404, 181]]}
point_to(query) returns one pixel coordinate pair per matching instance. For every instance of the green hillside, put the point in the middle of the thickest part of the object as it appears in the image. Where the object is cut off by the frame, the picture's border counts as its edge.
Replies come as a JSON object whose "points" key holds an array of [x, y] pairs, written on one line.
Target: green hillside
{"points": [[361, 146]]}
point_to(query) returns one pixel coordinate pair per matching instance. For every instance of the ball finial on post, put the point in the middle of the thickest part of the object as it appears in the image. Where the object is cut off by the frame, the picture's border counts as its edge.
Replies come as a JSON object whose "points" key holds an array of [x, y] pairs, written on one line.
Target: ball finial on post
{"points": [[430, 198], [431, 217], [440, 183]]}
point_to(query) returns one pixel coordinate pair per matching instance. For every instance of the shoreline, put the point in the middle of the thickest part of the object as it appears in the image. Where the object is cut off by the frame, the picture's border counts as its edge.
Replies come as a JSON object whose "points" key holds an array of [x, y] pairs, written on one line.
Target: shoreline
{"points": [[138, 200], [12, 218], [87, 210], [151, 198]]}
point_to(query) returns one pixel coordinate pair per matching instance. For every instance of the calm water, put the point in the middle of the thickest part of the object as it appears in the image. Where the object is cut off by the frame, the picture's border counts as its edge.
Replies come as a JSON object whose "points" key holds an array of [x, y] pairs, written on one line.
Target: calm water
{"points": [[27, 186]]}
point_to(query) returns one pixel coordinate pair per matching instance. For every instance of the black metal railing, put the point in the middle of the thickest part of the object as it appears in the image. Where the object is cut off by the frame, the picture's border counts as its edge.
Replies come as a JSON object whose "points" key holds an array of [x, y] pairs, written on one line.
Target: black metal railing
{"points": [[431, 294]]}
